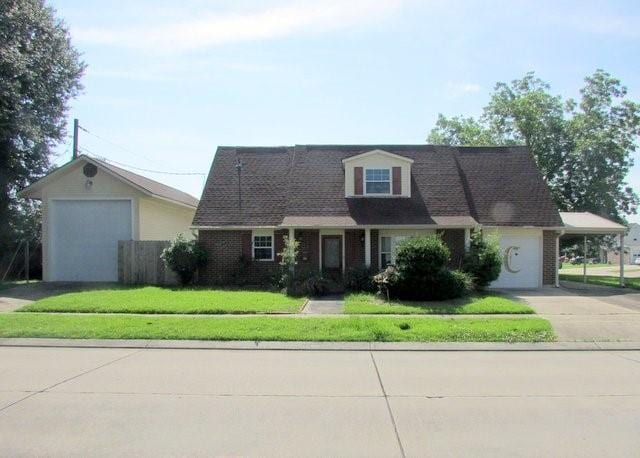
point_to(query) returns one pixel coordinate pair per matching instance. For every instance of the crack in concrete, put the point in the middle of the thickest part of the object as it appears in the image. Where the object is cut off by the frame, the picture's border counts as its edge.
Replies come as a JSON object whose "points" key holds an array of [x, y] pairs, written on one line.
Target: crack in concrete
{"points": [[68, 379], [386, 399]]}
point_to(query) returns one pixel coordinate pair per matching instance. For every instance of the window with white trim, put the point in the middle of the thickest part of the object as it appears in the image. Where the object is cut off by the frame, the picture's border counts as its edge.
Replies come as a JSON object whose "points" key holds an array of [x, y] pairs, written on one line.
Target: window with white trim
{"points": [[388, 249], [263, 247], [378, 181]]}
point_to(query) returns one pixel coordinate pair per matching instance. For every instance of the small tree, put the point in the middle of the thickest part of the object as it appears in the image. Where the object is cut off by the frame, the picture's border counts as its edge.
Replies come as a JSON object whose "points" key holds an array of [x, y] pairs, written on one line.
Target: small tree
{"points": [[483, 261], [288, 261], [184, 257]]}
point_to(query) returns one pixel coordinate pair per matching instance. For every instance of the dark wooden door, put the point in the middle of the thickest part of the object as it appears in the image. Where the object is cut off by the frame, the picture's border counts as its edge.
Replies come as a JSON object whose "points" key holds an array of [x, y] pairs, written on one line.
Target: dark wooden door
{"points": [[332, 255]]}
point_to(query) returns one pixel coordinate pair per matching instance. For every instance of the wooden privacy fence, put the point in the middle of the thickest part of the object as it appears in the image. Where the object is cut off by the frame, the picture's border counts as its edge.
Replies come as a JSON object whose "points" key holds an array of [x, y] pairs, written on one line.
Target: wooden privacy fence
{"points": [[139, 263]]}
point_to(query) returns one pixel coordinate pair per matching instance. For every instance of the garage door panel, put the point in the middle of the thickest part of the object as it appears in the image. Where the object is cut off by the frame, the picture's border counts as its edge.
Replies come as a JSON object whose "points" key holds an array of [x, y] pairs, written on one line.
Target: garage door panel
{"points": [[521, 261], [84, 238]]}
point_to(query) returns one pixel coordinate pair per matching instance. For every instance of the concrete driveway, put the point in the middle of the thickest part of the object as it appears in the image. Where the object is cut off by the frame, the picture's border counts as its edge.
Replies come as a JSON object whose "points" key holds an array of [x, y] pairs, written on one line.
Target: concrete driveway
{"points": [[17, 296], [580, 312], [125, 402]]}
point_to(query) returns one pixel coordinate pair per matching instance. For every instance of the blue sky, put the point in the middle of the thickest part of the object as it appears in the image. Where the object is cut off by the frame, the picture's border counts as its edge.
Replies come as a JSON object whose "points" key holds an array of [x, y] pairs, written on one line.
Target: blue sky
{"points": [[169, 81]]}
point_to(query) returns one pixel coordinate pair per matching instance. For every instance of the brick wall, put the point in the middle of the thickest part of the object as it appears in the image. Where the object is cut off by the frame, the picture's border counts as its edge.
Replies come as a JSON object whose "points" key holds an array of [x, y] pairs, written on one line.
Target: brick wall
{"points": [[354, 248], [309, 248], [549, 262], [375, 259], [224, 250], [454, 239]]}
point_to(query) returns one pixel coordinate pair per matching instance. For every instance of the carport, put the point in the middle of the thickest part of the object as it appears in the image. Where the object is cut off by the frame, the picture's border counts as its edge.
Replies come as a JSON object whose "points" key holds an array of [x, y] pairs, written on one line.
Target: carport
{"points": [[585, 224]]}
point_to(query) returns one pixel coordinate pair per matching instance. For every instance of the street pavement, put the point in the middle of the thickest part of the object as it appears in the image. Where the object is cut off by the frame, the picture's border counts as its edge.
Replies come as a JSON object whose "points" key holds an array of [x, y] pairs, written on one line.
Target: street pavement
{"points": [[179, 402]]}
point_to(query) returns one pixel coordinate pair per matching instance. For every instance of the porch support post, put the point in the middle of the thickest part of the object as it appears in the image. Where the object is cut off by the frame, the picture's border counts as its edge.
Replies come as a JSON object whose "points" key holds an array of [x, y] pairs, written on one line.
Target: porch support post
{"points": [[367, 247], [622, 260], [467, 239], [558, 259], [584, 261]]}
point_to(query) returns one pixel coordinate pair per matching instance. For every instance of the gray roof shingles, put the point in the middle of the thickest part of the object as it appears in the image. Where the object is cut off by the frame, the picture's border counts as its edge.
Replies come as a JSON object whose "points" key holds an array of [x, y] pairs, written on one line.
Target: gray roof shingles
{"points": [[493, 185]]}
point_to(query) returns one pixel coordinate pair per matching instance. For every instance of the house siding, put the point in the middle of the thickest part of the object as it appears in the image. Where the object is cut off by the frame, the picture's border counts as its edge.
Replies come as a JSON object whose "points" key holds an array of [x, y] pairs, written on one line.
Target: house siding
{"points": [[549, 262]]}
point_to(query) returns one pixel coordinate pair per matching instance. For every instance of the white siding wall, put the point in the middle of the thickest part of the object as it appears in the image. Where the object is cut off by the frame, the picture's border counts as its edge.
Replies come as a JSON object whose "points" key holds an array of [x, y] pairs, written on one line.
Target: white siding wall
{"points": [[163, 221]]}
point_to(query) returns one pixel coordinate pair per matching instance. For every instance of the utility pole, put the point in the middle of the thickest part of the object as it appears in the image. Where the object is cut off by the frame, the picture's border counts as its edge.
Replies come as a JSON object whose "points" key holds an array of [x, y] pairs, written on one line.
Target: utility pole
{"points": [[76, 126]]}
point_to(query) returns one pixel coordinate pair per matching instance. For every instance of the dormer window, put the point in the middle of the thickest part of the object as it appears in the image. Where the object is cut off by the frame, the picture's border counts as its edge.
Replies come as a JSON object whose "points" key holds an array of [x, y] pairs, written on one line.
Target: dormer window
{"points": [[377, 173], [378, 181]]}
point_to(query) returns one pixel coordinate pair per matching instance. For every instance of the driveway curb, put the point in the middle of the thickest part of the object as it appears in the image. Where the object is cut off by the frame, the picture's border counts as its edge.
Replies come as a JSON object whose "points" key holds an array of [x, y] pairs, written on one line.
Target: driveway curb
{"points": [[318, 346]]}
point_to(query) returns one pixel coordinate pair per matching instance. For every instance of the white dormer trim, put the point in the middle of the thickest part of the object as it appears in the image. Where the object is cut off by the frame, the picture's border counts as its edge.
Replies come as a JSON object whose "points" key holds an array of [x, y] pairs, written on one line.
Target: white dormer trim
{"points": [[378, 152]]}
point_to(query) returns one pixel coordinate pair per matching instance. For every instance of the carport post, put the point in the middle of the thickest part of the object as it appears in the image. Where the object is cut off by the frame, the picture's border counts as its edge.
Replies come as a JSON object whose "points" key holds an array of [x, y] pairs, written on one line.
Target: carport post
{"points": [[584, 261], [622, 260]]}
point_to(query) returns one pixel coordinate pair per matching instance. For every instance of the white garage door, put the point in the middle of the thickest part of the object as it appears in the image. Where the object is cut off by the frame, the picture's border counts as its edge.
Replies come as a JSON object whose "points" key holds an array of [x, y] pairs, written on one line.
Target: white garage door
{"points": [[84, 238], [521, 263]]}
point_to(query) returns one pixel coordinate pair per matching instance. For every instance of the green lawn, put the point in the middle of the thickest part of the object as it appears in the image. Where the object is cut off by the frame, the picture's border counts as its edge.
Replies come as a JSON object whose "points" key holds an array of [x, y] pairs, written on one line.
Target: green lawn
{"points": [[390, 329], [487, 304], [609, 280], [153, 299], [568, 265]]}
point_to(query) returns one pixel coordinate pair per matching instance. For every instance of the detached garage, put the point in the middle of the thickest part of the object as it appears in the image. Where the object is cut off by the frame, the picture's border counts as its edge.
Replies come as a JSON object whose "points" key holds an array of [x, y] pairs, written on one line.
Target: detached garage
{"points": [[89, 205]]}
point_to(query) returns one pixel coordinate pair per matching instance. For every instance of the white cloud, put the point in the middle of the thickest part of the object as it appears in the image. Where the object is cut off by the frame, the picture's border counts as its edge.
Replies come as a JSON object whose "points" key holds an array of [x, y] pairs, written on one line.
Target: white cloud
{"points": [[457, 89], [214, 29]]}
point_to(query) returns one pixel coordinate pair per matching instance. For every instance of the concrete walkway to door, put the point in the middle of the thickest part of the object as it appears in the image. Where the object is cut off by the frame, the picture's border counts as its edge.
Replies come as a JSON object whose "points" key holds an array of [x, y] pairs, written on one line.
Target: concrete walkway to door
{"points": [[580, 312], [325, 305]]}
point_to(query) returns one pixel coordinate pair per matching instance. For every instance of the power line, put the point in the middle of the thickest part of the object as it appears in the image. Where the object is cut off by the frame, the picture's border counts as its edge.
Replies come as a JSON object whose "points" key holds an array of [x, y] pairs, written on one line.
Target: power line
{"points": [[97, 156], [114, 143]]}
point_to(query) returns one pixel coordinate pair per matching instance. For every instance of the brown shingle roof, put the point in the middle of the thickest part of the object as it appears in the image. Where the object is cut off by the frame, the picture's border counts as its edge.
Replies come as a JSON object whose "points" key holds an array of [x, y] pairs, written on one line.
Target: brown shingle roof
{"points": [[154, 187], [458, 185]]}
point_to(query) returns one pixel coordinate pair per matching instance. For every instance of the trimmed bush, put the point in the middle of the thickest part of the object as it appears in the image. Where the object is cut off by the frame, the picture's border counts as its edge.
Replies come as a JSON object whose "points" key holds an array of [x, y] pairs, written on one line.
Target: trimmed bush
{"points": [[483, 261], [422, 256], [421, 273], [184, 257]]}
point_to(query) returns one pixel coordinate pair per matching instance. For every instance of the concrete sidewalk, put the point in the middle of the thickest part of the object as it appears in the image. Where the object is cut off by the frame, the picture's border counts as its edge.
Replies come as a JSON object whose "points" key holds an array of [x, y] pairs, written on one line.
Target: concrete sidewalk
{"points": [[319, 346], [151, 402]]}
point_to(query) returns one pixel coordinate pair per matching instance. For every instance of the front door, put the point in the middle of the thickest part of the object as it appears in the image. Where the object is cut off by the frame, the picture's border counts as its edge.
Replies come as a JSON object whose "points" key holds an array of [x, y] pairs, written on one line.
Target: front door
{"points": [[332, 255]]}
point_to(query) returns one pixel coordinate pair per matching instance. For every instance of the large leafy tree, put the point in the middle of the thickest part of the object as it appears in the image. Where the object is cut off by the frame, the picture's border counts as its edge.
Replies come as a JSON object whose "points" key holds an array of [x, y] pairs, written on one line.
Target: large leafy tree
{"points": [[583, 149], [40, 72]]}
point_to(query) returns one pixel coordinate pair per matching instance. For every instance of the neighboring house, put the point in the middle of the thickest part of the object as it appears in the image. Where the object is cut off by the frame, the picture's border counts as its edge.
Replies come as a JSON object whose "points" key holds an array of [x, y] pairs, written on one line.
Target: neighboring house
{"points": [[350, 205], [631, 247], [89, 205]]}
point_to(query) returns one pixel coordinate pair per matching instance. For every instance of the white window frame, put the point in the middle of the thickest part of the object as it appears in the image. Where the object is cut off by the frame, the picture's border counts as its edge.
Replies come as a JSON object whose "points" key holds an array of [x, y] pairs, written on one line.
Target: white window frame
{"points": [[255, 234], [395, 240], [390, 181]]}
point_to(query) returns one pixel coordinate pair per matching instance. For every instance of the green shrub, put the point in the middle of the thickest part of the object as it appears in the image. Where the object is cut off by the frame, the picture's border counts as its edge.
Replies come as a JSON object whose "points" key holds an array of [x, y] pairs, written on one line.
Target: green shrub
{"points": [[306, 282], [184, 257], [483, 261], [422, 273], [422, 256], [360, 279]]}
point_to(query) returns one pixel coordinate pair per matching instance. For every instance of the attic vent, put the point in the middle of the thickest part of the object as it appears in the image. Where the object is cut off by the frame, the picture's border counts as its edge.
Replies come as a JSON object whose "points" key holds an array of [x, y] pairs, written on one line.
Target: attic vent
{"points": [[90, 170]]}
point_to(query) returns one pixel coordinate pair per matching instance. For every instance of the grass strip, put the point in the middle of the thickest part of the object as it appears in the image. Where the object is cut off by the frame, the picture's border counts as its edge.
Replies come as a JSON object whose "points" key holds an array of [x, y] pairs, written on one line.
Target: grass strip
{"points": [[608, 280], [153, 299], [363, 303], [349, 329]]}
